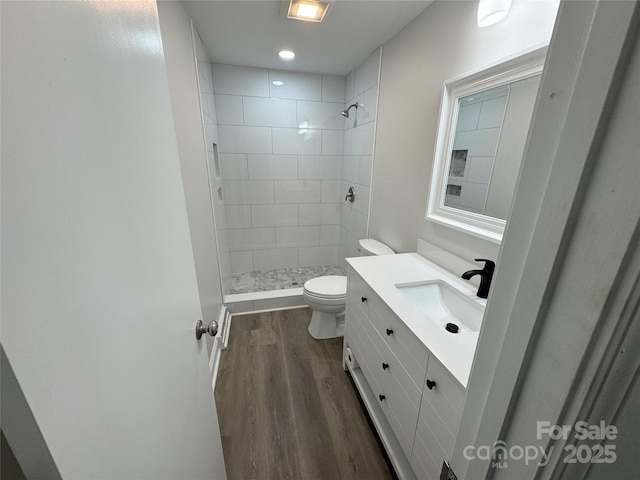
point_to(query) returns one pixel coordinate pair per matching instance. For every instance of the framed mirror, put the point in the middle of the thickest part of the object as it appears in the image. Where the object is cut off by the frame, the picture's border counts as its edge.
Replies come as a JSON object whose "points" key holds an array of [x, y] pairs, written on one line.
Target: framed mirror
{"points": [[482, 130]]}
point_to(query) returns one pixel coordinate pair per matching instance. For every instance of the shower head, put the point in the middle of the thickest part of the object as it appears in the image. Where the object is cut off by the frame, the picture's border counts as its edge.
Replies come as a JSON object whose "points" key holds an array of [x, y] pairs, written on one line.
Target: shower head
{"points": [[345, 113]]}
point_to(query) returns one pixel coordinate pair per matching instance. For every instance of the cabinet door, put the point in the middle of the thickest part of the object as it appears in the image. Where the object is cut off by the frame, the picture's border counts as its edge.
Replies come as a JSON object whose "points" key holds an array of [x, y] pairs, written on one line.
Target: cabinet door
{"points": [[440, 410]]}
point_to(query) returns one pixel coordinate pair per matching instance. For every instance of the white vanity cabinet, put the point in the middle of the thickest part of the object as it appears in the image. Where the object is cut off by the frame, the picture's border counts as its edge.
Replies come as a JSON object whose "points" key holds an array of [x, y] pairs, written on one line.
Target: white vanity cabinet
{"points": [[396, 366]]}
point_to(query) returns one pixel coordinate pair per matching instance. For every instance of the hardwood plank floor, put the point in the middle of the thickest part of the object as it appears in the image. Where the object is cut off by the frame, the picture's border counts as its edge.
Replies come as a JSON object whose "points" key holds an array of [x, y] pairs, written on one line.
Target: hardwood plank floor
{"points": [[286, 408]]}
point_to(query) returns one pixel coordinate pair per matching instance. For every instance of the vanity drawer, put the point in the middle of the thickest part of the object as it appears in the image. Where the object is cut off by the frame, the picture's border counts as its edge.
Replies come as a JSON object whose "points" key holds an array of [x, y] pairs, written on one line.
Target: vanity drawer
{"points": [[410, 351], [392, 402], [401, 413], [356, 323], [389, 365], [359, 348], [358, 292], [357, 337], [400, 397], [354, 315], [394, 365]]}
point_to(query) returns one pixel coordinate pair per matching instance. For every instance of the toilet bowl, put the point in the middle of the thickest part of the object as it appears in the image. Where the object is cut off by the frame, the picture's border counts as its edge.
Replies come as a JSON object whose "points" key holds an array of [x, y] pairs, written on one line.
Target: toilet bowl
{"points": [[327, 296]]}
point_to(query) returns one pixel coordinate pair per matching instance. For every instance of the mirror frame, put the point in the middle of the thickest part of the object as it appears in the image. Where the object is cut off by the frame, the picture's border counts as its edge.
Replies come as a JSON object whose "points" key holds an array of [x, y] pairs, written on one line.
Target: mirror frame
{"points": [[518, 67]]}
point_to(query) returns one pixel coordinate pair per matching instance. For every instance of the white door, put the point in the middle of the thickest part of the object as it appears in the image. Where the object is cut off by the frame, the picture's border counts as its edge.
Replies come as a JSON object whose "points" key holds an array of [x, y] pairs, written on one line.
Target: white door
{"points": [[99, 294]]}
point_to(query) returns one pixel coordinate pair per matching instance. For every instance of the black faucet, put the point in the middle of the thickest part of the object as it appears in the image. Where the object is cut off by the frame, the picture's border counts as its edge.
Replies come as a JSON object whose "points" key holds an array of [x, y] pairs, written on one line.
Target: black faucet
{"points": [[486, 275]]}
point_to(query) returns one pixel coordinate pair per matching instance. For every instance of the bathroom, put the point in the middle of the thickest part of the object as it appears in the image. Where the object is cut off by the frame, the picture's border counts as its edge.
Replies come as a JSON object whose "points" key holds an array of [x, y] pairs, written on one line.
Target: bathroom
{"points": [[398, 96], [284, 159], [384, 150]]}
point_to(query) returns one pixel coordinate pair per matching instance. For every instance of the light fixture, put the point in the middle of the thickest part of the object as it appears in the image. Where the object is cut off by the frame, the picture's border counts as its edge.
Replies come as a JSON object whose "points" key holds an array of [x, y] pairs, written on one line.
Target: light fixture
{"points": [[278, 83], [286, 54], [491, 12], [307, 10]]}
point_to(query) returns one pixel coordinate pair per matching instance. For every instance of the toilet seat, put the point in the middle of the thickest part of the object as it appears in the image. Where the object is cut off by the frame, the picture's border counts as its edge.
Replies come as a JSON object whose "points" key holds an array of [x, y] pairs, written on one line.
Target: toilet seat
{"points": [[329, 287]]}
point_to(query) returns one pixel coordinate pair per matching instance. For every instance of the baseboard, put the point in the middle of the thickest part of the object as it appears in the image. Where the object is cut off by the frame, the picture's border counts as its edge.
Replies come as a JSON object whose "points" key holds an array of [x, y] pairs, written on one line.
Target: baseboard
{"points": [[226, 328], [264, 310], [271, 294], [264, 301], [220, 343]]}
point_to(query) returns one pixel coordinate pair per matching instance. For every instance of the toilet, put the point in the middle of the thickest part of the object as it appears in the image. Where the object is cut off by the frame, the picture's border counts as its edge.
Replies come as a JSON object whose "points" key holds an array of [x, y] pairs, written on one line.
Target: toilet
{"points": [[327, 296]]}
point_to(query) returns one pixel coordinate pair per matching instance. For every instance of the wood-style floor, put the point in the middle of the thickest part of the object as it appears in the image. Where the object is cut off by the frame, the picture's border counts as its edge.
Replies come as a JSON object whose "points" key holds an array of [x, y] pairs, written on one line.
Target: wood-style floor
{"points": [[286, 408]]}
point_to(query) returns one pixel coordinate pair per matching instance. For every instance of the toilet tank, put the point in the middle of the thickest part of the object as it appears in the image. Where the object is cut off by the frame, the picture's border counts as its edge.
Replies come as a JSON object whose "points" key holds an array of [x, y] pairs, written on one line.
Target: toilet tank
{"points": [[369, 246]]}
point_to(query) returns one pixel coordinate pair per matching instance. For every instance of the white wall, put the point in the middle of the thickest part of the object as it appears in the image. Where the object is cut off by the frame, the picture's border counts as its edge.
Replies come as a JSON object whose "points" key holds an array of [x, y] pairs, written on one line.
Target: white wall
{"points": [[280, 153], [441, 43], [362, 88], [188, 119]]}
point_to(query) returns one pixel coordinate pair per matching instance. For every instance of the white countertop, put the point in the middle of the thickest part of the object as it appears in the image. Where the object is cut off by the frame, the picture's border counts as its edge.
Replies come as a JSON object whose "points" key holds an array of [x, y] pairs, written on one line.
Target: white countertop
{"points": [[382, 273]]}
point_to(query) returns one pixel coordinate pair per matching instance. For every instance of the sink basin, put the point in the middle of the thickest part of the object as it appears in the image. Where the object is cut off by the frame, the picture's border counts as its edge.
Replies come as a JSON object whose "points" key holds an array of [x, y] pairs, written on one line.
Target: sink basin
{"points": [[444, 304]]}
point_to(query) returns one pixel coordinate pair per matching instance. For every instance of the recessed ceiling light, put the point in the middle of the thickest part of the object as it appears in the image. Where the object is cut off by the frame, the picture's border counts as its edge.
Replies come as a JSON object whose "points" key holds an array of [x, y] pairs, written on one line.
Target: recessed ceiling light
{"points": [[286, 54], [307, 10], [278, 83]]}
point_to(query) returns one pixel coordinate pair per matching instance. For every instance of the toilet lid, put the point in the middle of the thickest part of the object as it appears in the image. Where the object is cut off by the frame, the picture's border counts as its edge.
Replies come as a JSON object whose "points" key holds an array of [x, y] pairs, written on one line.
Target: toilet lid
{"points": [[327, 286]]}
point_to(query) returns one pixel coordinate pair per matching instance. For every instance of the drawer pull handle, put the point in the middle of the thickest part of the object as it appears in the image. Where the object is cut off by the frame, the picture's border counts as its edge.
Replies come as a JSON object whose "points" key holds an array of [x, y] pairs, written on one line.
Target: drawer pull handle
{"points": [[389, 331], [364, 299], [381, 397], [385, 366], [430, 384]]}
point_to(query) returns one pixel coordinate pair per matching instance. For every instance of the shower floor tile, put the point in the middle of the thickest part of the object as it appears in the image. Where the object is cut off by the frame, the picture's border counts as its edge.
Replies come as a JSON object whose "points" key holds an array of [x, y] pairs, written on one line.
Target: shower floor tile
{"points": [[278, 279]]}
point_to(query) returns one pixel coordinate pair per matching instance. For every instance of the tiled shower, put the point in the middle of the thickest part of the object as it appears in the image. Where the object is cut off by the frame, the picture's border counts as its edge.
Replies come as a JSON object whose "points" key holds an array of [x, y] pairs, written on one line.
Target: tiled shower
{"points": [[281, 161]]}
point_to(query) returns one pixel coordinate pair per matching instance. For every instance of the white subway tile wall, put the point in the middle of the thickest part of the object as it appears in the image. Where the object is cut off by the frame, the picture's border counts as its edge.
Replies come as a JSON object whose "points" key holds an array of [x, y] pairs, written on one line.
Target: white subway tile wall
{"points": [[358, 149], [281, 161], [219, 166], [287, 158]]}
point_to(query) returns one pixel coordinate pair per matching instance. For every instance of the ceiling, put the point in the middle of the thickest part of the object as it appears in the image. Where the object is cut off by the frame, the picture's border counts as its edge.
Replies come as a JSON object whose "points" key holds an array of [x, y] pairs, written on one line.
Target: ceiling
{"points": [[252, 32]]}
